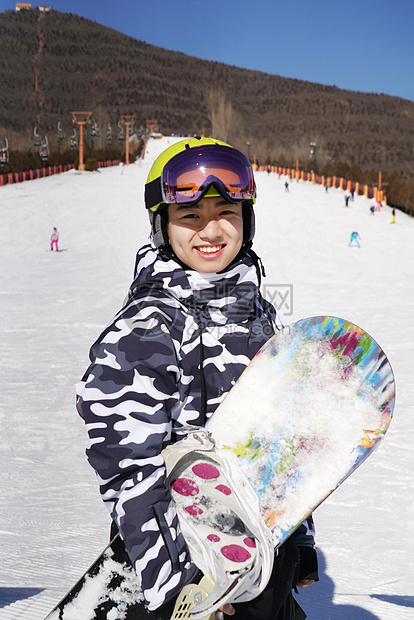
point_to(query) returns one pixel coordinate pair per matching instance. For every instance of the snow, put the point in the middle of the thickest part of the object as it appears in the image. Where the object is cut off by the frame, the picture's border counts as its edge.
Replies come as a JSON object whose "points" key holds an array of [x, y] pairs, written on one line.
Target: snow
{"points": [[53, 306]]}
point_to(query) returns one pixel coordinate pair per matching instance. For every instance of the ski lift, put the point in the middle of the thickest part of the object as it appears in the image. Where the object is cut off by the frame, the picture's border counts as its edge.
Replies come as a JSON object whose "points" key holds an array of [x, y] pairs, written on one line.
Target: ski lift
{"points": [[94, 133], [4, 153], [109, 135], [44, 150], [73, 141], [37, 141], [121, 136], [60, 133]]}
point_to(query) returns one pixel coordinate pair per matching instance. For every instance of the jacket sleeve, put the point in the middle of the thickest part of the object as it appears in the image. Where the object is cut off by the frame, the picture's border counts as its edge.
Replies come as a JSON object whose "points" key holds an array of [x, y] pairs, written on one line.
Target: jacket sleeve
{"points": [[125, 399]]}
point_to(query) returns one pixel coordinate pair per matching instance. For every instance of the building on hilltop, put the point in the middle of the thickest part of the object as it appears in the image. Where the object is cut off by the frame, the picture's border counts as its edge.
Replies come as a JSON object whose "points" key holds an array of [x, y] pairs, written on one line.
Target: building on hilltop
{"points": [[21, 6]]}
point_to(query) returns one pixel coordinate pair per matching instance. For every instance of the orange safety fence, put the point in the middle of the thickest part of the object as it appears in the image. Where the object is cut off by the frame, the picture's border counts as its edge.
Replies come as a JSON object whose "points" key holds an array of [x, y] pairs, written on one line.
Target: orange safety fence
{"points": [[47, 171], [360, 189]]}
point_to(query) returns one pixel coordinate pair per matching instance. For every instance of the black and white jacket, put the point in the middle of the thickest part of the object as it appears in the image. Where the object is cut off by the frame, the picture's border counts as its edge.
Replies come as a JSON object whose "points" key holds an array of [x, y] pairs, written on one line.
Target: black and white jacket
{"points": [[166, 361]]}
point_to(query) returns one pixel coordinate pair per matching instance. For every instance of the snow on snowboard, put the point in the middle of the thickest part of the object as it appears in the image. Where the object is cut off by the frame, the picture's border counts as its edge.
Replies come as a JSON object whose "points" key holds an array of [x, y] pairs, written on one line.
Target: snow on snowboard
{"points": [[308, 410]]}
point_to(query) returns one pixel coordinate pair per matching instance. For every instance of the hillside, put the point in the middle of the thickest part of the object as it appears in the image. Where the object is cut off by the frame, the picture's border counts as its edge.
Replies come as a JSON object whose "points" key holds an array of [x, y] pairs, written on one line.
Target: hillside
{"points": [[55, 62]]}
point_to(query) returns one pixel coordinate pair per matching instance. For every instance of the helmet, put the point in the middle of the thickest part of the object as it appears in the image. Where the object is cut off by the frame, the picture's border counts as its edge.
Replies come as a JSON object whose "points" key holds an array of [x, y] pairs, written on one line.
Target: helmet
{"points": [[191, 169]]}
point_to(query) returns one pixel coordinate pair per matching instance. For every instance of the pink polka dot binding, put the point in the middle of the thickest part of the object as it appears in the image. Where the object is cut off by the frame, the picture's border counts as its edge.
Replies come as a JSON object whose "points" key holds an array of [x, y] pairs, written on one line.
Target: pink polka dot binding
{"points": [[223, 489], [194, 510], [206, 471], [249, 542], [185, 486], [235, 553]]}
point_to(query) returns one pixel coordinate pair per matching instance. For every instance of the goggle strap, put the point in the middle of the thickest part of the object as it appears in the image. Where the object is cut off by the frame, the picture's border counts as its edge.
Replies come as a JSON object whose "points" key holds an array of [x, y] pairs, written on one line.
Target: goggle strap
{"points": [[153, 194]]}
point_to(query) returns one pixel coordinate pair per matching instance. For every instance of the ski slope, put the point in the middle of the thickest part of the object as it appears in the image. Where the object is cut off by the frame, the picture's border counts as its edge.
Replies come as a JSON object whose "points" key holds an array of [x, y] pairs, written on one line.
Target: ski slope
{"points": [[53, 305]]}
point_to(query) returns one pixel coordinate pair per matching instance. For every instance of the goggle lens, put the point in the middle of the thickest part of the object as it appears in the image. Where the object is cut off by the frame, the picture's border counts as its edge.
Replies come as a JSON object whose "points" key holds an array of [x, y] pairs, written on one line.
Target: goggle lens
{"points": [[187, 176]]}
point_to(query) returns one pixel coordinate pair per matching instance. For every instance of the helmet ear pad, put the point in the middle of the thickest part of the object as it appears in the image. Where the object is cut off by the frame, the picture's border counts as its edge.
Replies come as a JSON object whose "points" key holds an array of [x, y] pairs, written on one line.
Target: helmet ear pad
{"points": [[249, 224], [159, 227]]}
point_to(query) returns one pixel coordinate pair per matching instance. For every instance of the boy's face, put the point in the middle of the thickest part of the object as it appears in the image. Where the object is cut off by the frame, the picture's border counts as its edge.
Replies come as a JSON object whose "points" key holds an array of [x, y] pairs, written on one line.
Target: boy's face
{"points": [[208, 235]]}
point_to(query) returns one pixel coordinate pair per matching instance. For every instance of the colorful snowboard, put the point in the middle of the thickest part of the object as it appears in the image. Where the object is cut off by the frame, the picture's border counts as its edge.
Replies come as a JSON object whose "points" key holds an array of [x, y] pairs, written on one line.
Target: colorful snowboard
{"points": [[327, 396], [307, 411]]}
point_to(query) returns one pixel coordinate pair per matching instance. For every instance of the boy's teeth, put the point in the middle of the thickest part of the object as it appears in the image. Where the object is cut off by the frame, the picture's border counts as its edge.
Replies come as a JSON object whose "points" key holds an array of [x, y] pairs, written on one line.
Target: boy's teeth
{"points": [[210, 250]]}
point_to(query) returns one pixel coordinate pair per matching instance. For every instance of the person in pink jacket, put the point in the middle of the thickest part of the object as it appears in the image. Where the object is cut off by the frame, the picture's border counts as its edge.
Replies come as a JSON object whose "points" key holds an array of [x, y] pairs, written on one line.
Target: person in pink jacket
{"points": [[54, 240]]}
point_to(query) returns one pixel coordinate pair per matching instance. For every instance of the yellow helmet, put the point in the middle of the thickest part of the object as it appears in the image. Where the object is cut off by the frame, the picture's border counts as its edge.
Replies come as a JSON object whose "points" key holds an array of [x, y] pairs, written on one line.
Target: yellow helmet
{"points": [[191, 169], [195, 167]]}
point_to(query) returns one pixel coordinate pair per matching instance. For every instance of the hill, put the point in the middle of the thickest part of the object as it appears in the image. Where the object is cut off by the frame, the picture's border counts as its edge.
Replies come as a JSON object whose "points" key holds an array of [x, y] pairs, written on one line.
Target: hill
{"points": [[52, 63]]}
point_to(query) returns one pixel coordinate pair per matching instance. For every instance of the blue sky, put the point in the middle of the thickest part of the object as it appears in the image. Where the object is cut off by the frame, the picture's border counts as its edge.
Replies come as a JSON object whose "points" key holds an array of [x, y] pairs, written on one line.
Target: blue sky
{"points": [[362, 45]]}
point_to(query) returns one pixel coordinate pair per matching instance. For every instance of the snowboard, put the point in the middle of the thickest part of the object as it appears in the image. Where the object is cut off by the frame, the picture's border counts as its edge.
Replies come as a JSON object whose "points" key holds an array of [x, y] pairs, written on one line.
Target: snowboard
{"points": [[311, 406]]}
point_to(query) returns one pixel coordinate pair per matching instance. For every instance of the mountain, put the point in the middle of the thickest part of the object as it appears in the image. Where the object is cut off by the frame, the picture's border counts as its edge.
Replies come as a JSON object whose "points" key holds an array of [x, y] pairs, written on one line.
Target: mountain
{"points": [[53, 62]]}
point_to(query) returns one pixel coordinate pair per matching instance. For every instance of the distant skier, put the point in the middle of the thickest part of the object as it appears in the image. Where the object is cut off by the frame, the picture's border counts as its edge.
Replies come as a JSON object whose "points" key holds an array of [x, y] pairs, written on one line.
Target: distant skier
{"points": [[54, 240], [393, 216], [347, 197], [286, 186], [354, 237]]}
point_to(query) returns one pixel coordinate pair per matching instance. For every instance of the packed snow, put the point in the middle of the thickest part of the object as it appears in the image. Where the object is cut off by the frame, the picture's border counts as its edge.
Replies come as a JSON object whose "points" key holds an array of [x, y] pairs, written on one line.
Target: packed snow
{"points": [[55, 304]]}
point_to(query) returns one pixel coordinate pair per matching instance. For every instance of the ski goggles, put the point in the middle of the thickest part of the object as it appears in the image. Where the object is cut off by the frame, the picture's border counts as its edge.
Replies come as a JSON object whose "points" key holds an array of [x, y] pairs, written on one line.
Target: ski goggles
{"points": [[188, 176]]}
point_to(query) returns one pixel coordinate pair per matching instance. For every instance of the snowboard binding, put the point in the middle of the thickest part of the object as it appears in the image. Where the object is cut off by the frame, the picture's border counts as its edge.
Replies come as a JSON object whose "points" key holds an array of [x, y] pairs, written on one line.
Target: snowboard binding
{"points": [[219, 517]]}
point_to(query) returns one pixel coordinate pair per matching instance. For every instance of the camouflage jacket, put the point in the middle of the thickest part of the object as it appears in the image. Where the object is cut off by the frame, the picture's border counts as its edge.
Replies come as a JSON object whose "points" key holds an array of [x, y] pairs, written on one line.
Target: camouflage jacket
{"points": [[165, 362]]}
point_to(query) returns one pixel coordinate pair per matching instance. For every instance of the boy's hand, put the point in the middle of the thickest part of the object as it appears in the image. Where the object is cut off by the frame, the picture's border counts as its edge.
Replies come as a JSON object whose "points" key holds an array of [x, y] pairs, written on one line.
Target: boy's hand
{"points": [[305, 583], [226, 609]]}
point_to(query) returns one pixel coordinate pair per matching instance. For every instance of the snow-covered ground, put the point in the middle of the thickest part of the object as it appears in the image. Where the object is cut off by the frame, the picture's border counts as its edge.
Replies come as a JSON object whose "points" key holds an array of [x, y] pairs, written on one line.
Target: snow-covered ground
{"points": [[53, 306]]}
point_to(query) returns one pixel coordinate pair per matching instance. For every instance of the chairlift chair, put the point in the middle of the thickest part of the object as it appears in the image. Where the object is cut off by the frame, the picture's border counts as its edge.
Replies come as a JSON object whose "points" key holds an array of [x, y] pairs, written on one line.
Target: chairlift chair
{"points": [[4, 153], [61, 133], [94, 133], [37, 141], [73, 141], [121, 136], [44, 150], [109, 134]]}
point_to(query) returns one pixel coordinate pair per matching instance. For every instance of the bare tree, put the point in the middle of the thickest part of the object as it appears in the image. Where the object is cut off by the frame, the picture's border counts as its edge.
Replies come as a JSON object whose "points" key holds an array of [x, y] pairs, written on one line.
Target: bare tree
{"points": [[226, 122]]}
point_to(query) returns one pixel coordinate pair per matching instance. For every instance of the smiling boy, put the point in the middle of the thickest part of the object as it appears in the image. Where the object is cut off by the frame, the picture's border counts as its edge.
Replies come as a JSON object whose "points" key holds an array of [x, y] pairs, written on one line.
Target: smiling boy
{"points": [[194, 319]]}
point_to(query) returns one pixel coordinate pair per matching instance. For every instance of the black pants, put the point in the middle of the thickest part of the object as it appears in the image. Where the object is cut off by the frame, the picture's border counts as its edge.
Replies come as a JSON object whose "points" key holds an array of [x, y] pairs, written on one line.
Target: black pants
{"points": [[276, 601]]}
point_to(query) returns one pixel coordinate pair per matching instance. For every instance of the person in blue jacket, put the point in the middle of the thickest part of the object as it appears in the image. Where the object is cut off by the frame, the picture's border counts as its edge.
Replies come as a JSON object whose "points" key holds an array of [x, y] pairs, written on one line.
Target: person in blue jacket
{"points": [[194, 319], [355, 236]]}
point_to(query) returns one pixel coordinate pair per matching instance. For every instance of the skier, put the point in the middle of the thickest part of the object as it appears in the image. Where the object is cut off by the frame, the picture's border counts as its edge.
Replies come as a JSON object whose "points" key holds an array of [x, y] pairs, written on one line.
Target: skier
{"points": [[54, 240], [393, 216], [354, 237], [194, 319]]}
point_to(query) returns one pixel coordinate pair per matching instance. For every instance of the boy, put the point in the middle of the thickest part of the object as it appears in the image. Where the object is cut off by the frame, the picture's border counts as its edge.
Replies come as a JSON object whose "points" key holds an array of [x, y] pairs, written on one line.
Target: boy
{"points": [[194, 319]]}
